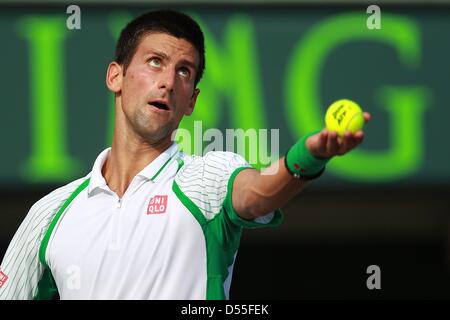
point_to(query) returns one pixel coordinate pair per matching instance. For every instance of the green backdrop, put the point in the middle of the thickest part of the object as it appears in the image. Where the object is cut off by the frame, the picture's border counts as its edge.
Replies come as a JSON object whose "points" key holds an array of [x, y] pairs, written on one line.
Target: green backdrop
{"points": [[266, 68]]}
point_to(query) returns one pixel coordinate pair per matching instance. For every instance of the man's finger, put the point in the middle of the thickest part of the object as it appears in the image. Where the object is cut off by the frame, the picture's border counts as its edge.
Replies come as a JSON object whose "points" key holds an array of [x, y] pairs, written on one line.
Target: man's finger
{"points": [[323, 137], [332, 143], [348, 143], [358, 137]]}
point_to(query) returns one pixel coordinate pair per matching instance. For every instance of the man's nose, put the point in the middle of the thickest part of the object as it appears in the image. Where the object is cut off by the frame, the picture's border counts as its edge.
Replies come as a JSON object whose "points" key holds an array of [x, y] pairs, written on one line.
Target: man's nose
{"points": [[167, 79]]}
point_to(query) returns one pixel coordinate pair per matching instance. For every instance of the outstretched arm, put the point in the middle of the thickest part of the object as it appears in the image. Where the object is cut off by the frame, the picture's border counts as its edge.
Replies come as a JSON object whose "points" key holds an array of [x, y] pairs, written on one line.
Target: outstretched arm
{"points": [[258, 193]]}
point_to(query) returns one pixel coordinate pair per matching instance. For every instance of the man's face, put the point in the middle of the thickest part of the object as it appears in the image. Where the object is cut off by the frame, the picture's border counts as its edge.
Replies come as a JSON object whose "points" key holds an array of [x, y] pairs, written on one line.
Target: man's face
{"points": [[158, 86]]}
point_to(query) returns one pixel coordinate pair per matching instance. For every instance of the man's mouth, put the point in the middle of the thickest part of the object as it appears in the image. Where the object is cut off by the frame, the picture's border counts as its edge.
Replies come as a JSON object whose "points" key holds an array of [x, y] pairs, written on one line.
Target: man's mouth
{"points": [[161, 105]]}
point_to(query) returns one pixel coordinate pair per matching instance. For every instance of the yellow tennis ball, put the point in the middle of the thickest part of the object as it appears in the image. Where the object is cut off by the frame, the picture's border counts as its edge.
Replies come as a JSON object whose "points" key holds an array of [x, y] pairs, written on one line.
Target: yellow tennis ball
{"points": [[344, 115]]}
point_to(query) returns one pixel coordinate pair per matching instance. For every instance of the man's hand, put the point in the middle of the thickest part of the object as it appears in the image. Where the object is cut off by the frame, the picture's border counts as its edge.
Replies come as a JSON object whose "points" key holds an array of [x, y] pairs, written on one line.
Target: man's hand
{"points": [[256, 194], [327, 144]]}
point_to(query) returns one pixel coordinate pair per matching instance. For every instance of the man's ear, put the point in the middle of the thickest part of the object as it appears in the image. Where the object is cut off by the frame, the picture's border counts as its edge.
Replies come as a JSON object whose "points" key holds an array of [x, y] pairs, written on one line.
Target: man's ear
{"points": [[190, 109], [114, 77]]}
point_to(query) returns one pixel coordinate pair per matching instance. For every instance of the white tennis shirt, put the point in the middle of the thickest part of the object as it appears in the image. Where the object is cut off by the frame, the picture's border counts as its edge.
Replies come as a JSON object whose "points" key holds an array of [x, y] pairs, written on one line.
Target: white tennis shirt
{"points": [[173, 235]]}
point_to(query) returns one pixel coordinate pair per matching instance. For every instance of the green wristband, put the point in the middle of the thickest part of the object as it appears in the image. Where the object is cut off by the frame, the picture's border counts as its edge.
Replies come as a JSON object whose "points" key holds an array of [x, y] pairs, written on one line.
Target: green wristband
{"points": [[301, 163]]}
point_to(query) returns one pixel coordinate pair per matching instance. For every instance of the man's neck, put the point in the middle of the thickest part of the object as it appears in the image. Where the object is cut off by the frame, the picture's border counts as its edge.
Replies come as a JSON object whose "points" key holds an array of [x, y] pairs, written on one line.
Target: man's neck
{"points": [[127, 159]]}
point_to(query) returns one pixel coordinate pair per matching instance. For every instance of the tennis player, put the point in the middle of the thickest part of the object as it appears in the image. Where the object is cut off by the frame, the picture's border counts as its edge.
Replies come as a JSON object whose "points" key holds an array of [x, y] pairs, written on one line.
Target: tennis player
{"points": [[149, 222]]}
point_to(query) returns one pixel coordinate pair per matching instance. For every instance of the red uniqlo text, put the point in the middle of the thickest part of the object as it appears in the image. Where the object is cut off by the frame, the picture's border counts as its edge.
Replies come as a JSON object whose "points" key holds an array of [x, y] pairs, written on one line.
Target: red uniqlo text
{"points": [[3, 278], [157, 205]]}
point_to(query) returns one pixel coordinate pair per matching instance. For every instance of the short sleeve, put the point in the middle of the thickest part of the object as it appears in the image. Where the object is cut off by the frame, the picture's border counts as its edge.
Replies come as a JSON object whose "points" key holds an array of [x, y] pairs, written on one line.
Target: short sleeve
{"points": [[271, 219], [208, 182]]}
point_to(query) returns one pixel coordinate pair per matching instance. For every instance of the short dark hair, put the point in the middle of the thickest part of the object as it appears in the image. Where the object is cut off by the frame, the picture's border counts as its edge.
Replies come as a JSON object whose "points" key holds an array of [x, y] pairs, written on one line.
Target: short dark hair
{"points": [[171, 22]]}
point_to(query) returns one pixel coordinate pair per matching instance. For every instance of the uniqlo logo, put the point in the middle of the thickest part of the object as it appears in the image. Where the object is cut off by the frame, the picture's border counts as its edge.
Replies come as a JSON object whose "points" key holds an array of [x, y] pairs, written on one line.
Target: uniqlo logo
{"points": [[3, 278], [157, 205]]}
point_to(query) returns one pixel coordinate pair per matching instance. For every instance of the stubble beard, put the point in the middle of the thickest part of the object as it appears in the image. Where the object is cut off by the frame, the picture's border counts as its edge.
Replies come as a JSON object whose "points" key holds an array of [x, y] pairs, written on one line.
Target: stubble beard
{"points": [[149, 129]]}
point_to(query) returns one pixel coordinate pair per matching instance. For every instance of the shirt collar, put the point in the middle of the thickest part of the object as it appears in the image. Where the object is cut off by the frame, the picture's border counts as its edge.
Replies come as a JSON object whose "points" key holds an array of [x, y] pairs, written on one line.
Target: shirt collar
{"points": [[155, 167], [150, 172]]}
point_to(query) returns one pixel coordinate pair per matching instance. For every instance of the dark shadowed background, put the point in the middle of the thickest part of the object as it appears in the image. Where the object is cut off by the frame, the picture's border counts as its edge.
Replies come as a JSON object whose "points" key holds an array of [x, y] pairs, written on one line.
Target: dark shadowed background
{"points": [[267, 67]]}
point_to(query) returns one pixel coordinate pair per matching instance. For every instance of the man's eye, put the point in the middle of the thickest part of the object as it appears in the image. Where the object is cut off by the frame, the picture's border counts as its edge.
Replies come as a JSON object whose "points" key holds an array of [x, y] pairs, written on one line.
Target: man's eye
{"points": [[154, 62], [184, 72]]}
